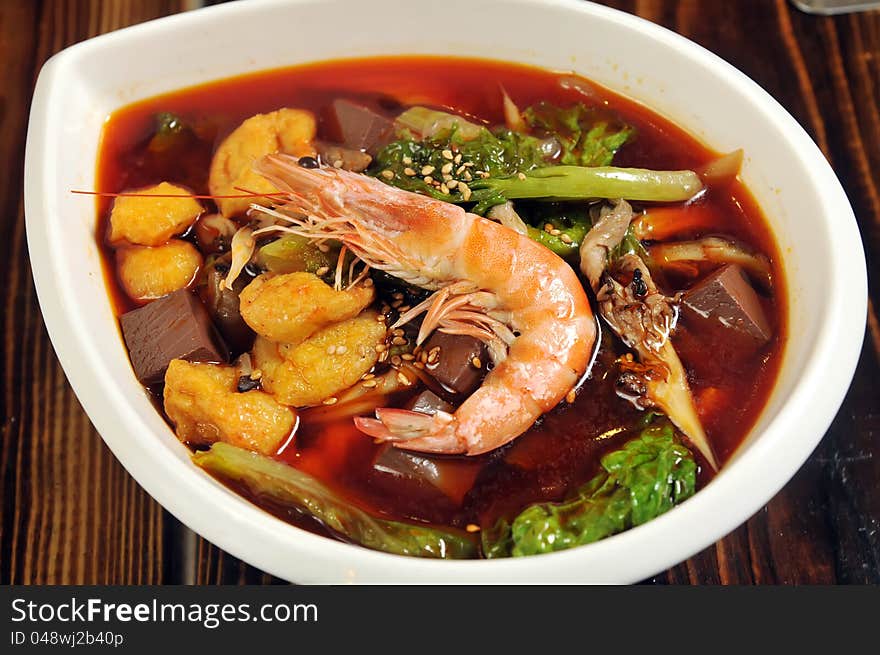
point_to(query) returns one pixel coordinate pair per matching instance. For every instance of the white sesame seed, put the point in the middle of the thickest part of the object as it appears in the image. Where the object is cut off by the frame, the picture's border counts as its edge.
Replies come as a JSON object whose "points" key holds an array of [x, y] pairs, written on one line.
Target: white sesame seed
{"points": [[388, 175], [331, 350], [398, 341], [444, 188], [337, 163], [447, 168], [341, 350], [429, 179], [457, 159], [322, 271], [408, 357], [554, 232], [369, 384], [409, 172], [407, 160], [465, 191], [452, 183], [521, 176], [467, 176], [427, 170], [330, 401], [476, 362], [447, 154], [565, 238], [460, 170]]}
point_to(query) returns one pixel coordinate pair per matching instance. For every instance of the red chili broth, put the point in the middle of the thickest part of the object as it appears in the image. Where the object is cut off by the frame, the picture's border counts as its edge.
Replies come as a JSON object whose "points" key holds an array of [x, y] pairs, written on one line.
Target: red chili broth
{"points": [[563, 449]]}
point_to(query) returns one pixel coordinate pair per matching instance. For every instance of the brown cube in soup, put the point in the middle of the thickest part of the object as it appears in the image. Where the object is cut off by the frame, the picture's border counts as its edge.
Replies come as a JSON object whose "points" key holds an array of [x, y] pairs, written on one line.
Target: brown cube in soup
{"points": [[174, 327], [457, 361], [360, 127], [726, 301]]}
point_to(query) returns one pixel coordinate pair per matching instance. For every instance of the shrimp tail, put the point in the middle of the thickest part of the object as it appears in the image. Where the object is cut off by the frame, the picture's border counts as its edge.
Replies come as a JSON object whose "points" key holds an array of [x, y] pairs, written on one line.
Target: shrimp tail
{"points": [[413, 430]]}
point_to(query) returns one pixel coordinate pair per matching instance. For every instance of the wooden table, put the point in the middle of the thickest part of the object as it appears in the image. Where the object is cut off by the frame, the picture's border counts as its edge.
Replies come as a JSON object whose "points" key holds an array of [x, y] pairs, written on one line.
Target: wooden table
{"points": [[71, 514]]}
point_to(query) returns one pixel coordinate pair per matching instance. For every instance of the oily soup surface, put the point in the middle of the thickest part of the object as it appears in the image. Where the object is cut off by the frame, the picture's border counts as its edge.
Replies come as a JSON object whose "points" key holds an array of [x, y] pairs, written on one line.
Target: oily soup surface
{"points": [[563, 449]]}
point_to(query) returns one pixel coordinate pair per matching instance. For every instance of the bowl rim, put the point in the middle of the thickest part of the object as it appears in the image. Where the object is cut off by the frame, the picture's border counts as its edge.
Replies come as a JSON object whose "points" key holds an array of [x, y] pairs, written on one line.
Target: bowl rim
{"points": [[757, 475]]}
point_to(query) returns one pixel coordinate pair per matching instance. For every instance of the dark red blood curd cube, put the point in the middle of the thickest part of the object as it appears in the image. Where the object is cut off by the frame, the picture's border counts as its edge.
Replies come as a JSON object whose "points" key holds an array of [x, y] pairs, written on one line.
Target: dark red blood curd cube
{"points": [[460, 362], [176, 326], [725, 302], [360, 127]]}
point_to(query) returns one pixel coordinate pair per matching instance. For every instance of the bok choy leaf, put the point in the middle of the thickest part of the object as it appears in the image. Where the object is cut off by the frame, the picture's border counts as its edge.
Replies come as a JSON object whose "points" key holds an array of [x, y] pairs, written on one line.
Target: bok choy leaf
{"points": [[638, 482], [273, 480]]}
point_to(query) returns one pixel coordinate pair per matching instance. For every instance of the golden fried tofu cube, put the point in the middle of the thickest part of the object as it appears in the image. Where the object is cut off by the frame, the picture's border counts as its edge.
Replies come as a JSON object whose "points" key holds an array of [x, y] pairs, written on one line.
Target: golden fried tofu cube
{"points": [[293, 306], [330, 361], [291, 131], [150, 221], [204, 405], [148, 273]]}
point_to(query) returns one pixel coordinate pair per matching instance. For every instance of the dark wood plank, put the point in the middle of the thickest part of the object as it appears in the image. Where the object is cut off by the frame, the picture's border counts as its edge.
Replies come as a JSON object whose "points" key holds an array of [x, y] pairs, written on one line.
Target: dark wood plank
{"points": [[71, 514]]}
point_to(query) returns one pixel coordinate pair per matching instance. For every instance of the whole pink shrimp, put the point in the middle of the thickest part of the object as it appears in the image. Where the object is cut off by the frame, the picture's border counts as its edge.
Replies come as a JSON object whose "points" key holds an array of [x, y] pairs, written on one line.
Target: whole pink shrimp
{"points": [[489, 281]]}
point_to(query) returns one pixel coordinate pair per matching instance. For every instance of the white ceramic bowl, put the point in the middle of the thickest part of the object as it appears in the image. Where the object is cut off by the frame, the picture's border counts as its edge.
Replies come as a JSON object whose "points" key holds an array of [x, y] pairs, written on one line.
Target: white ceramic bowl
{"points": [[791, 180]]}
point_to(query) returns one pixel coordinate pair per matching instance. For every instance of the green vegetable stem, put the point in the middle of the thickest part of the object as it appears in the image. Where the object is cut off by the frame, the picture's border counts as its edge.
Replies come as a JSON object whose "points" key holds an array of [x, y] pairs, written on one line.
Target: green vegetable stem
{"points": [[640, 481], [581, 183], [290, 487]]}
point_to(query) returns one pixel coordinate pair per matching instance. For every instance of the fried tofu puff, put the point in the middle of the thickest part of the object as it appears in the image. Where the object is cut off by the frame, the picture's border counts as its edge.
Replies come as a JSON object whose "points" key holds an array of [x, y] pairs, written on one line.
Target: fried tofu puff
{"points": [[204, 405], [147, 220], [293, 306], [331, 360], [290, 131], [148, 273]]}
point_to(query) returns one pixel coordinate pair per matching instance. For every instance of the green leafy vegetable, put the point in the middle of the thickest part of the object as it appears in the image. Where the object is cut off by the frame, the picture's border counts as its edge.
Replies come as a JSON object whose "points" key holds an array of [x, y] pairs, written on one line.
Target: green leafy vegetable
{"points": [[283, 484], [293, 253], [500, 154], [568, 223], [589, 137], [640, 481], [171, 132]]}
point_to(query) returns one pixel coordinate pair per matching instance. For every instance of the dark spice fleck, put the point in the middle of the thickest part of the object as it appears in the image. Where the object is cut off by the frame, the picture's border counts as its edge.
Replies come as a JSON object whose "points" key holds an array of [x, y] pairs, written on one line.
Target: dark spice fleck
{"points": [[245, 383], [308, 162], [638, 284]]}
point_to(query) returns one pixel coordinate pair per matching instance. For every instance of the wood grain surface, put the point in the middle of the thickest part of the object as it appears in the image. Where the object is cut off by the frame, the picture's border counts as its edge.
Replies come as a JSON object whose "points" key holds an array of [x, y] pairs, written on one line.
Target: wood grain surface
{"points": [[71, 514]]}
